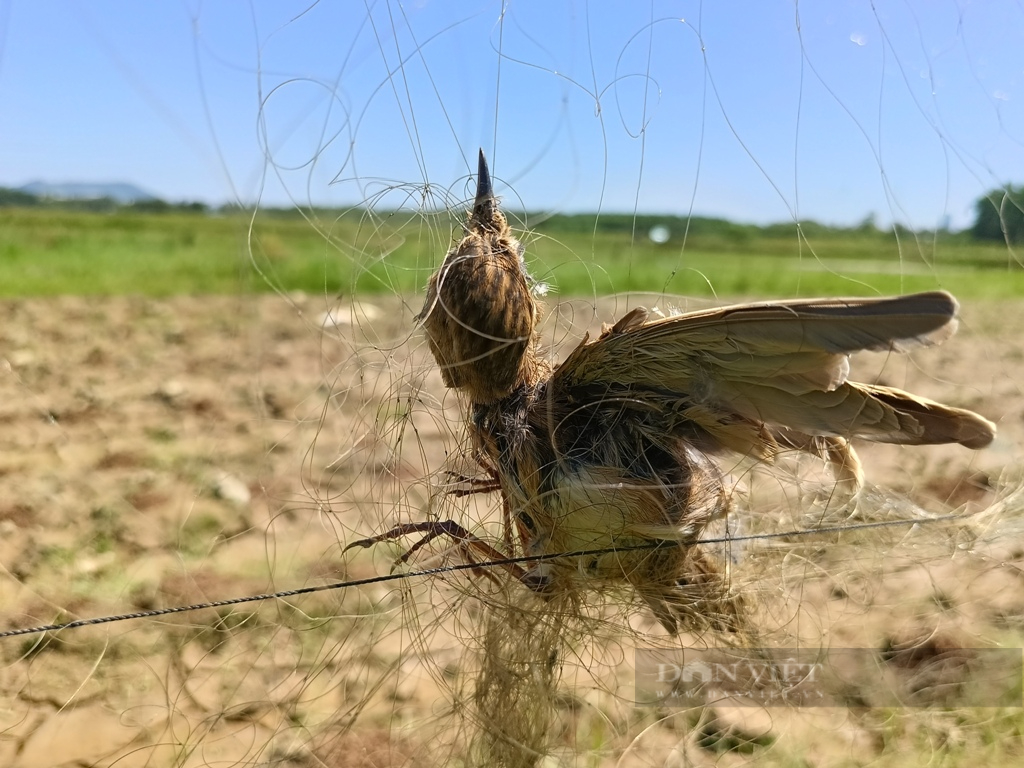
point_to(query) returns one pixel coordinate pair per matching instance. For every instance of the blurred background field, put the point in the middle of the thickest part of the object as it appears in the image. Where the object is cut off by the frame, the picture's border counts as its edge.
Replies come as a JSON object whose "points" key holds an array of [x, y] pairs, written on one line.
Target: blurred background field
{"points": [[159, 452], [204, 404], [53, 251]]}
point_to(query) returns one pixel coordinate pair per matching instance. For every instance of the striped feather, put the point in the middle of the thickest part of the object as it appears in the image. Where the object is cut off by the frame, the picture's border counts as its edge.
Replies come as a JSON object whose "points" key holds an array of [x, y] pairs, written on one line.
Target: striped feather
{"points": [[782, 365]]}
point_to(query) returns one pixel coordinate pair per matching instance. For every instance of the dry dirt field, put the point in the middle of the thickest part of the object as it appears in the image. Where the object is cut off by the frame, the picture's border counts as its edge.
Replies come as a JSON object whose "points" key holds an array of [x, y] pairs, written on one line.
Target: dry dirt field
{"points": [[163, 453]]}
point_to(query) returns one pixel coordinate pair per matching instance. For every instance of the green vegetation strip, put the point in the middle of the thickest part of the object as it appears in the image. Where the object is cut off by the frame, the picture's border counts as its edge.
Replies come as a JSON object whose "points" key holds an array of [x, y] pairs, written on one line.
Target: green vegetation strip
{"points": [[45, 252]]}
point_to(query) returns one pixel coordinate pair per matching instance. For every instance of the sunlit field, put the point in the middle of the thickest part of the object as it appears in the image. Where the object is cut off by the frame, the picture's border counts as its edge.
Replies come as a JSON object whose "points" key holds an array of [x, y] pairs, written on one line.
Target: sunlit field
{"points": [[164, 449], [53, 252]]}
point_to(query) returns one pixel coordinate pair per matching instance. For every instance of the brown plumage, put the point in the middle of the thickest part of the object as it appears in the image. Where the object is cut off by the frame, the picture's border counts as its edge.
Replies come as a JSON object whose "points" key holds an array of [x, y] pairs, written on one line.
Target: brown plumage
{"points": [[479, 315], [612, 449]]}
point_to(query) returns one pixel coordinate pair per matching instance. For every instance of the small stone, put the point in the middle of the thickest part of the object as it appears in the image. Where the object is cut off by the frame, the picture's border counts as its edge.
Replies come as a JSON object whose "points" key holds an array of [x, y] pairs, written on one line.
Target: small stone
{"points": [[170, 391], [20, 358], [228, 487], [88, 566]]}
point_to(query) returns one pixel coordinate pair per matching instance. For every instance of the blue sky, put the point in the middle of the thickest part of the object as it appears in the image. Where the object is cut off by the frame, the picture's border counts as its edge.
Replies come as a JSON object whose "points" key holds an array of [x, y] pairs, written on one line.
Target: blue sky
{"points": [[756, 111]]}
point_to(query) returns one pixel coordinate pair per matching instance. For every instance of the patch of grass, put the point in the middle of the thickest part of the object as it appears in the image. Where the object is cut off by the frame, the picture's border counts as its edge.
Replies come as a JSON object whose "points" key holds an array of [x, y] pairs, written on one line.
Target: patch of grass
{"points": [[46, 252], [56, 557], [198, 534], [108, 529], [160, 434], [839, 264], [33, 645]]}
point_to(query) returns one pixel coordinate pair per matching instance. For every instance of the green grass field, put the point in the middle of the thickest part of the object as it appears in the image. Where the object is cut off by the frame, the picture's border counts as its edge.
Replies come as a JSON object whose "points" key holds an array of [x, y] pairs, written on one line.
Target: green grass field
{"points": [[52, 252]]}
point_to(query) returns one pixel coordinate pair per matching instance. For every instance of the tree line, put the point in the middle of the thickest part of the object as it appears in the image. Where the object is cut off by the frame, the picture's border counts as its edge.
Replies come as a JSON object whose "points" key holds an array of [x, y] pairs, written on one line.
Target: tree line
{"points": [[17, 198], [998, 216]]}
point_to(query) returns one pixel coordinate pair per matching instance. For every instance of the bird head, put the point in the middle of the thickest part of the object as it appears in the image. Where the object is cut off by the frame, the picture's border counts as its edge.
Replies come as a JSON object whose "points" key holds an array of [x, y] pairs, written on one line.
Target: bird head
{"points": [[480, 315]]}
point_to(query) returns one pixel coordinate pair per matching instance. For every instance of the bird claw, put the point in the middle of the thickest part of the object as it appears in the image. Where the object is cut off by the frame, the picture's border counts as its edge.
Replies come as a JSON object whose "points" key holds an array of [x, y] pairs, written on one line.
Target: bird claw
{"points": [[466, 542]]}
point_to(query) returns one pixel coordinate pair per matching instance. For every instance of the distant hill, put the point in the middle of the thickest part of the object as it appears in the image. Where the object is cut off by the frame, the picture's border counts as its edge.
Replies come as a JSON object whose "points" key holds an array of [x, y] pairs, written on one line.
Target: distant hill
{"points": [[121, 192]]}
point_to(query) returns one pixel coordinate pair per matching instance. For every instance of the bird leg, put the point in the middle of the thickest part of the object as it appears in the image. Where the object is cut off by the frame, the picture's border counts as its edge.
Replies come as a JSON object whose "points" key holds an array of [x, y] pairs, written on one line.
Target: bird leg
{"points": [[465, 542], [490, 484], [476, 485]]}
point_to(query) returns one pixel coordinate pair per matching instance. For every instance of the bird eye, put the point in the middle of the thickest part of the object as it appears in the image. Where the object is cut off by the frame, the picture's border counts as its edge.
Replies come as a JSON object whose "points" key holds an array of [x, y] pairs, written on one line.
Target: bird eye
{"points": [[527, 521]]}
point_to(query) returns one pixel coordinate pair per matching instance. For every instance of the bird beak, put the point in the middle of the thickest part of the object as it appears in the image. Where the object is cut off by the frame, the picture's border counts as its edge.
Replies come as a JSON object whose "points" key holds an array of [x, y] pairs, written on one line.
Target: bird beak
{"points": [[484, 190]]}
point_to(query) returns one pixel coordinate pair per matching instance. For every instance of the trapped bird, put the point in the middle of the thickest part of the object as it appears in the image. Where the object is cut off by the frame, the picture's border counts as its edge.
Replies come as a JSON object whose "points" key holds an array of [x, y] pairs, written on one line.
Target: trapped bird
{"points": [[614, 449]]}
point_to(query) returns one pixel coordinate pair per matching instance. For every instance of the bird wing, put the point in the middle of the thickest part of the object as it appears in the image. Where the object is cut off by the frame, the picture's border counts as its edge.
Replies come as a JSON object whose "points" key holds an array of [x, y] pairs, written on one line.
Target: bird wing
{"points": [[782, 364]]}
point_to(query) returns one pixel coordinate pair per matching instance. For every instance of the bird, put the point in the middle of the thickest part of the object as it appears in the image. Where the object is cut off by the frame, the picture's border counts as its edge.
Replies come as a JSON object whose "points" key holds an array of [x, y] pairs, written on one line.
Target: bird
{"points": [[615, 451]]}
